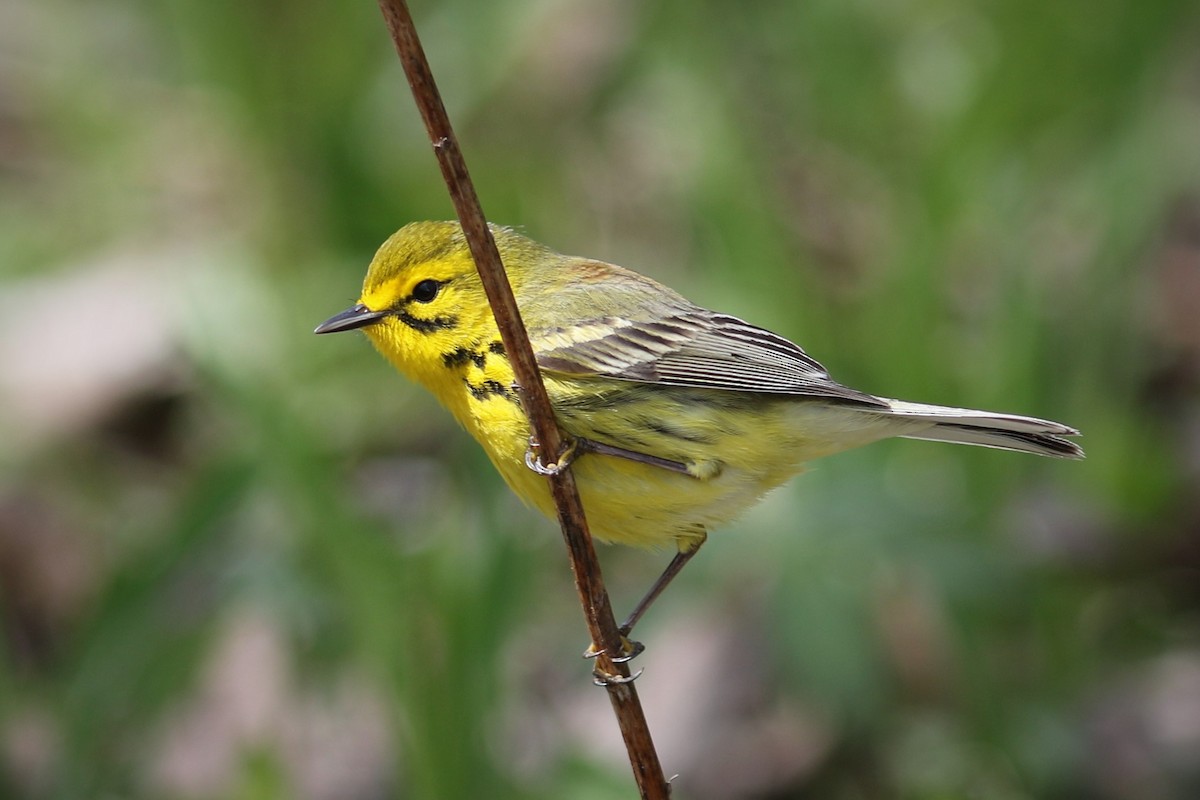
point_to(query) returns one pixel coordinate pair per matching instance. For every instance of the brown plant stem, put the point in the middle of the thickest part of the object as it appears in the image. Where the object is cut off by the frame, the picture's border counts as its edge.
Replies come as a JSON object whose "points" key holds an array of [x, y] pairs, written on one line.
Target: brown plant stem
{"points": [[586, 567]]}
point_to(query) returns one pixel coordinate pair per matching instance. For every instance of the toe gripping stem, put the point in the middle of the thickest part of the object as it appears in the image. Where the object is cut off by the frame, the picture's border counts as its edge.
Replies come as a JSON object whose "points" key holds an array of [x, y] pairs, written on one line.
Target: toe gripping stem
{"points": [[629, 651], [605, 679], [533, 458]]}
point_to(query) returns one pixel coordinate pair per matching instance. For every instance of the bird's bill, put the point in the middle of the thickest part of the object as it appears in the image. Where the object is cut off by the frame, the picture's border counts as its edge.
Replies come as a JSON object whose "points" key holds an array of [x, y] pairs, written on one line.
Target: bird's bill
{"points": [[357, 316]]}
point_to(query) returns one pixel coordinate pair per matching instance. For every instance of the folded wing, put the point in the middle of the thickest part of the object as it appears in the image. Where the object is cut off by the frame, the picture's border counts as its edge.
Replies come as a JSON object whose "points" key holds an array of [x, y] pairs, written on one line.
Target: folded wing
{"points": [[690, 347]]}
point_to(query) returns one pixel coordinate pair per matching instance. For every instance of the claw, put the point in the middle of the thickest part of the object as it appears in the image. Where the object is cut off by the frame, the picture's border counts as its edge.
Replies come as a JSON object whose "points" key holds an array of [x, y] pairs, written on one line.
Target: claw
{"points": [[629, 650], [607, 679], [534, 461]]}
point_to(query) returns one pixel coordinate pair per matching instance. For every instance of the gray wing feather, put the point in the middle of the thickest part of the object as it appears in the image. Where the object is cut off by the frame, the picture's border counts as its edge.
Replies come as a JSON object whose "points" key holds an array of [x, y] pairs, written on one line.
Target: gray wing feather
{"points": [[692, 347]]}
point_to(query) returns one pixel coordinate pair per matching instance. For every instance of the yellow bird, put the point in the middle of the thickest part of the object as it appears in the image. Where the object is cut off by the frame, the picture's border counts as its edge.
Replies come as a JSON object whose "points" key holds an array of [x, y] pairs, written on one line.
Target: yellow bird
{"points": [[689, 416]]}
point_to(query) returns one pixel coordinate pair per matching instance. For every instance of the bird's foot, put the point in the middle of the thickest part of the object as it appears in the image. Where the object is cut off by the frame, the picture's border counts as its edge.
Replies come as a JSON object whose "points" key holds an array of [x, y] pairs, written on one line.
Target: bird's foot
{"points": [[629, 650], [534, 461]]}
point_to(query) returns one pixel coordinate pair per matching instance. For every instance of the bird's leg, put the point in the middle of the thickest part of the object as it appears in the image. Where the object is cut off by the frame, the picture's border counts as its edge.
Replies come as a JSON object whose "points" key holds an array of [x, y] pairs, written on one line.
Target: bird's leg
{"points": [[674, 568], [631, 649], [590, 446], [578, 446]]}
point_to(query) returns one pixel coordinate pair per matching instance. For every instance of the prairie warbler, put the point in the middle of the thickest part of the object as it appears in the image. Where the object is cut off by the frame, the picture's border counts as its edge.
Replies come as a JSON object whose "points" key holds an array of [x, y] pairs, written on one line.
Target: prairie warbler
{"points": [[690, 415]]}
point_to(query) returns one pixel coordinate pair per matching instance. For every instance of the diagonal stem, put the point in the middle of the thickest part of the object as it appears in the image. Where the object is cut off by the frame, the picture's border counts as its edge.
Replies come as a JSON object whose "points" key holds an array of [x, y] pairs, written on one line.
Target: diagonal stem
{"points": [[589, 582]]}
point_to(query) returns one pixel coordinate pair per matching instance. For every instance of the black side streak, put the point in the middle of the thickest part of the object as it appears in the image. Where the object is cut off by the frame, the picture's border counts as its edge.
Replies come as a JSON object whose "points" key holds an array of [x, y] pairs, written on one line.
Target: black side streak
{"points": [[490, 388], [462, 355], [496, 347]]}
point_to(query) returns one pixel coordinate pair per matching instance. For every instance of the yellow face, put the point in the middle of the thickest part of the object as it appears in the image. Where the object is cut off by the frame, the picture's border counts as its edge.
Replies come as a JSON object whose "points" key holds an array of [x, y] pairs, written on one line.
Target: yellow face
{"points": [[424, 284]]}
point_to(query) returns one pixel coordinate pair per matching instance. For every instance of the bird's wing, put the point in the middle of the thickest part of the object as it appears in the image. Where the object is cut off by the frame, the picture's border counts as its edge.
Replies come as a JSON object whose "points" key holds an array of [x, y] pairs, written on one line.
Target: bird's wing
{"points": [[690, 347]]}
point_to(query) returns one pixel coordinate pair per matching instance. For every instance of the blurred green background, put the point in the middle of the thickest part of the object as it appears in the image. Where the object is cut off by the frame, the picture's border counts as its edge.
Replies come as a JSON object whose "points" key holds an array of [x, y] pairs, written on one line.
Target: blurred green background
{"points": [[241, 561]]}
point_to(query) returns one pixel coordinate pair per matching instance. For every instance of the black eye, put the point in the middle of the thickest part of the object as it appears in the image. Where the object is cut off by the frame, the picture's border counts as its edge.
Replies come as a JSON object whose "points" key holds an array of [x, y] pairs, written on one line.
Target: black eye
{"points": [[426, 290]]}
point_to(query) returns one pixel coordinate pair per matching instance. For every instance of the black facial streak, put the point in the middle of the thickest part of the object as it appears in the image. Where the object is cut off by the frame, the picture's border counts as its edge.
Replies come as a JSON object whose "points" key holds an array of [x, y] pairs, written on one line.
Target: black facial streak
{"points": [[426, 325]]}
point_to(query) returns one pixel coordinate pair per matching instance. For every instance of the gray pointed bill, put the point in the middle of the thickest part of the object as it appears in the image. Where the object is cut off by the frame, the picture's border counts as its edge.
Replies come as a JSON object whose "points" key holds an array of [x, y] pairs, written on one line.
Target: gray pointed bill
{"points": [[357, 316]]}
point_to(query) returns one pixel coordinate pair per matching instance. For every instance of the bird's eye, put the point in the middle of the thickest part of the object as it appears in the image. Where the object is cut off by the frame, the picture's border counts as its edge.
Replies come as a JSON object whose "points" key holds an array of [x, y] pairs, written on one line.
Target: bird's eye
{"points": [[426, 290]]}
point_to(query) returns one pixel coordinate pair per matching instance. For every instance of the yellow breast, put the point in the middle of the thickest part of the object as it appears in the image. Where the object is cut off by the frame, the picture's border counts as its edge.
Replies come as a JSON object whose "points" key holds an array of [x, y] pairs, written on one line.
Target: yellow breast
{"points": [[626, 501], [735, 445]]}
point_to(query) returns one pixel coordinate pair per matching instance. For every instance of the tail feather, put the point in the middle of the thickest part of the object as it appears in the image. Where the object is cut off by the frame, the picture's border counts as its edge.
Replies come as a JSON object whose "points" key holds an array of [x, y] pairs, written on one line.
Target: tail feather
{"points": [[989, 429]]}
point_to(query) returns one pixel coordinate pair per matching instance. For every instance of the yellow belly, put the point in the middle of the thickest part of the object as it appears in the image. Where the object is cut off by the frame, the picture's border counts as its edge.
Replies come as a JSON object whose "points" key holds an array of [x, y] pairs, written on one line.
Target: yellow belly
{"points": [[737, 447]]}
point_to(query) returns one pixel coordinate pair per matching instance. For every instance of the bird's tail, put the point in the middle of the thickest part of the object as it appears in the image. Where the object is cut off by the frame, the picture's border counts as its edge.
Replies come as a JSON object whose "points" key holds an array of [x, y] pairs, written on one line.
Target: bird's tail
{"points": [[988, 429]]}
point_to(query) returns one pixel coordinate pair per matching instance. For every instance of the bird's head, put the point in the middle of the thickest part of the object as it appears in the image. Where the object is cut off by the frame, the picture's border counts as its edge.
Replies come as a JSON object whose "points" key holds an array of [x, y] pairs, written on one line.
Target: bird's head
{"points": [[422, 300]]}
